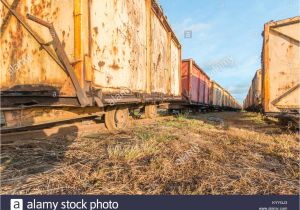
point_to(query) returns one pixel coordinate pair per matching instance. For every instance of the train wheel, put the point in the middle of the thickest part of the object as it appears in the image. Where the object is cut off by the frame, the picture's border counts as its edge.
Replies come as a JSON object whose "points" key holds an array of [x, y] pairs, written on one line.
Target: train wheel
{"points": [[116, 118], [151, 111]]}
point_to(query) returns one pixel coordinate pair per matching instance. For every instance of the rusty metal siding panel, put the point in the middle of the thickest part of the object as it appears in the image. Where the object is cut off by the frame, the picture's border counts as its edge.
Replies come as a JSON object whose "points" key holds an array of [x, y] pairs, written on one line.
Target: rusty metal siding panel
{"points": [[207, 90], [284, 65], [119, 44], [225, 98], [217, 95], [185, 79], [195, 83], [256, 84], [204, 86], [115, 58], [201, 89], [24, 64], [175, 61], [159, 71], [251, 96]]}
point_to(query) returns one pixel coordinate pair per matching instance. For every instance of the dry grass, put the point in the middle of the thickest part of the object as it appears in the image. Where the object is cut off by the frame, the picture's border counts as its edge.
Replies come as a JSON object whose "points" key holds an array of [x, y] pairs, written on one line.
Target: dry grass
{"points": [[241, 154]]}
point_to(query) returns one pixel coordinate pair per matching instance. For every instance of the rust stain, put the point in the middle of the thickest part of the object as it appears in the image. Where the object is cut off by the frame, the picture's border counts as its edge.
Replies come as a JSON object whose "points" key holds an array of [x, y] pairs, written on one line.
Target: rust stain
{"points": [[115, 50], [108, 79], [55, 13], [101, 64], [98, 50], [63, 44], [285, 88], [128, 35], [115, 66], [42, 9], [43, 74], [63, 39], [158, 60], [289, 52], [34, 51], [4, 25], [96, 30], [115, 6], [16, 46]]}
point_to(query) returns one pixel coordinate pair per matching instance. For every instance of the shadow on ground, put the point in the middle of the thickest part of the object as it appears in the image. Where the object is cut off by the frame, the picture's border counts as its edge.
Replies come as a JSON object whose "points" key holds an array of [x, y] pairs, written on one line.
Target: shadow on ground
{"points": [[38, 154]]}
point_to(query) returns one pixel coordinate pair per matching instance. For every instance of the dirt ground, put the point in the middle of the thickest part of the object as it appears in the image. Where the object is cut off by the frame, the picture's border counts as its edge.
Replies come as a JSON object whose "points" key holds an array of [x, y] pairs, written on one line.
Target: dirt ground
{"points": [[195, 154]]}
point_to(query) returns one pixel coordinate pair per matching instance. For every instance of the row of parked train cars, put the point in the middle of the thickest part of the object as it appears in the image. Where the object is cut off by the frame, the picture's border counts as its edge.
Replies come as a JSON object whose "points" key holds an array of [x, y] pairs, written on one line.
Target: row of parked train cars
{"points": [[199, 90], [64, 60], [275, 89]]}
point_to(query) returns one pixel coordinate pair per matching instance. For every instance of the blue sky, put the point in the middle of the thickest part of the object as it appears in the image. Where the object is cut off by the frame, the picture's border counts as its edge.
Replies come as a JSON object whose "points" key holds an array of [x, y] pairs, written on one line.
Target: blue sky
{"points": [[226, 35]]}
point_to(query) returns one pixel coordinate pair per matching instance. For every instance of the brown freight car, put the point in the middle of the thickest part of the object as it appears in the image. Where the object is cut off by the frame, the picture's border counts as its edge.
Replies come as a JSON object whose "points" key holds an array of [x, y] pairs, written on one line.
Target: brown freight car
{"points": [[202, 93], [64, 59], [195, 83]]}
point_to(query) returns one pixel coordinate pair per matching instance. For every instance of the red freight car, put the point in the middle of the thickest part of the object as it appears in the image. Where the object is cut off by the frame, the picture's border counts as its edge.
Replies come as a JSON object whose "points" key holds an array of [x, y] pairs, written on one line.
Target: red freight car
{"points": [[195, 83]]}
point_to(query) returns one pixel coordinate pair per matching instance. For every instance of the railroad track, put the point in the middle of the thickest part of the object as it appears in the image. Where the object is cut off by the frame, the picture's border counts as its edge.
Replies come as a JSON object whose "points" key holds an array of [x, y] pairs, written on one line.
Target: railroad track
{"points": [[62, 128]]}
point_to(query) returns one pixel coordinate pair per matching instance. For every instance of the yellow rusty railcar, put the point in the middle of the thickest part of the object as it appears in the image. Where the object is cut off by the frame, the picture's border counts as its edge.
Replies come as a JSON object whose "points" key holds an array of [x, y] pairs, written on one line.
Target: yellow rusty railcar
{"points": [[74, 58], [253, 100], [281, 66]]}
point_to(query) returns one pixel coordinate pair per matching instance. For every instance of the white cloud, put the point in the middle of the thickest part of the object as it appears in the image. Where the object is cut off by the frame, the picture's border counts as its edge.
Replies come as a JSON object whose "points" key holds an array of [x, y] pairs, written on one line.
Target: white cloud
{"points": [[189, 24]]}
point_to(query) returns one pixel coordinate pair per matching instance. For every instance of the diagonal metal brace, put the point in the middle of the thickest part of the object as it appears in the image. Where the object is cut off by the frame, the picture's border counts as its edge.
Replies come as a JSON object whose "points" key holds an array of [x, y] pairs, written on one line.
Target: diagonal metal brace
{"points": [[62, 56], [277, 100], [59, 56], [8, 16], [32, 33]]}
